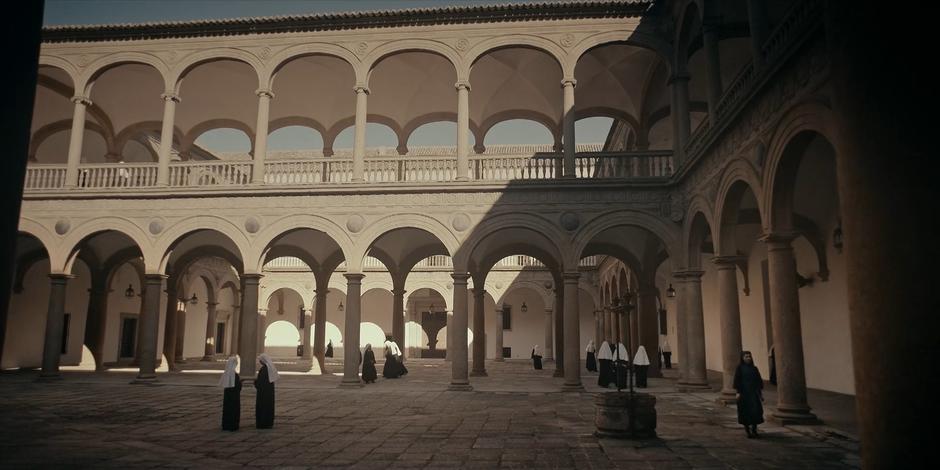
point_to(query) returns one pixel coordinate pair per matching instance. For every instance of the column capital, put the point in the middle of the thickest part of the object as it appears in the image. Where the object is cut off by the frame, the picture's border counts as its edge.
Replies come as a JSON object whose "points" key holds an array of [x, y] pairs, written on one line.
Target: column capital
{"points": [[151, 277], [262, 312], [460, 278], [678, 76], [211, 304], [399, 291], [354, 277], [255, 277], [478, 292], [727, 262], [690, 275], [361, 89], [565, 82], [571, 277], [170, 97], [60, 277], [778, 238], [261, 92], [465, 84], [548, 311], [80, 99]]}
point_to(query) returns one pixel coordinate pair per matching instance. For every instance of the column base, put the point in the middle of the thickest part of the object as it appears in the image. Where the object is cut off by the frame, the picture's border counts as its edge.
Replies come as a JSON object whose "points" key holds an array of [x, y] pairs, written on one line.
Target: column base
{"points": [[460, 387], [345, 384], [572, 388], [478, 373], [140, 380], [794, 415], [558, 373]]}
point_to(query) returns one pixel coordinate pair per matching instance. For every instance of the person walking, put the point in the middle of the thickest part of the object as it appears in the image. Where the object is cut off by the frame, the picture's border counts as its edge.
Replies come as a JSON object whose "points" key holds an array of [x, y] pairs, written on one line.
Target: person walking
{"points": [[369, 373], [264, 384], [749, 387], [591, 361], [231, 383], [536, 358]]}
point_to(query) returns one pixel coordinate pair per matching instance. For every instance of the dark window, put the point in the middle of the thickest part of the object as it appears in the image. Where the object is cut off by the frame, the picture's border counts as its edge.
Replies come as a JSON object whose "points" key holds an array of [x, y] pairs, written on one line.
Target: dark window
{"points": [[507, 318], [128, 336], [219, 338], [507, 352], [65, 332]]}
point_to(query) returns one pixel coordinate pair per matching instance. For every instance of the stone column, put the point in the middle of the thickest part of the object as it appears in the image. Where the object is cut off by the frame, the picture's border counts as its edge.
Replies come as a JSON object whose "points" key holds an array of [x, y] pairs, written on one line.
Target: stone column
{"points": [[76, 136], [759, 28], [648, 319], [351, 333], [730, 316], [305, 331], [710, 30], [261, 135], [598, 329], [150, 327], [679, 108], [548, 349], [170, 322], [211, 320], [319, 331], [180, 334], [248, 337], [572, 333], [634, 328], [883, 149], [236, 326], [568, 126], [463, 130], [459, 379], [559, 313], [448, 352], [262, 324], [623, 320], [359, 149], [608, 325], [166, 138], [479, 334], [96, 322], [695, 330], [499, 334], [398, 315], [792, 406], [55, 326], [681, 352]]}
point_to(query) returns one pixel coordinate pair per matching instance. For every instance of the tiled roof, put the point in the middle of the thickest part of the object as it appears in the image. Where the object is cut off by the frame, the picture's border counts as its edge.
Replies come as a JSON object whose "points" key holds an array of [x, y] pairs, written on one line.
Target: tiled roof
{"points": [[348, 20]]}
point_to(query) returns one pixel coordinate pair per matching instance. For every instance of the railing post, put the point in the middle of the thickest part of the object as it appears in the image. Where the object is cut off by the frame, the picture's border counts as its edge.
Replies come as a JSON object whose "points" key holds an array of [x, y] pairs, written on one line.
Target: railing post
{"points": [[166, 138], [261, 135], [568, 136]]}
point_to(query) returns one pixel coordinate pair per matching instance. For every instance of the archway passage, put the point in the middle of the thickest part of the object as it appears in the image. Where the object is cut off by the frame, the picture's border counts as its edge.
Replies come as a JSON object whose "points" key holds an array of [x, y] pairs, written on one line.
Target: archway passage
{"points": [[427, 317]]}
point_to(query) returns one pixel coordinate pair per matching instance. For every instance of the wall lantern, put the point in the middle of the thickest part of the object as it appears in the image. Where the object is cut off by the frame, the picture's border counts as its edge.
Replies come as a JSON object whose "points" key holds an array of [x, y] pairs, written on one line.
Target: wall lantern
{"points": [[670, 292], [194, 300], [129, 292], [340, 306], [524, 307]]}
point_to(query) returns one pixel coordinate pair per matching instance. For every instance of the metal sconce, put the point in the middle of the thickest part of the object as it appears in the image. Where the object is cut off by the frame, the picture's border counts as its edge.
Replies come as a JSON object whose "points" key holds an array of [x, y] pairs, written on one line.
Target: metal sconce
{"points": [[194, 300], [524, 307], [670, 292], [129, 292], [340, 306]]}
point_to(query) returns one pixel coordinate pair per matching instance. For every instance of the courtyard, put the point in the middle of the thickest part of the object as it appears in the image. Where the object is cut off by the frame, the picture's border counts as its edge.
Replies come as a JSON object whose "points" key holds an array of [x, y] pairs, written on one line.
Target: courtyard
{"points": [[515, 417]]}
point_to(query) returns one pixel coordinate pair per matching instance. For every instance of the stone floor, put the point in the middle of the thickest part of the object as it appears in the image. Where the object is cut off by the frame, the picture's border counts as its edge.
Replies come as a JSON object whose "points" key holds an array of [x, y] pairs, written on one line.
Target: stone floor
{"points": [[514, 418]]}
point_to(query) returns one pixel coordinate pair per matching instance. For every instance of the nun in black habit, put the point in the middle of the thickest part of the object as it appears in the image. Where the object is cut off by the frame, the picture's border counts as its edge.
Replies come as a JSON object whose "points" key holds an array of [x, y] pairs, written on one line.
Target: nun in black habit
{"points": [[329, 349], [391, 369], [749, 386], [591, 361], [264, 384], [536, 358], [369, 373], [605, 362], [231, 396]]}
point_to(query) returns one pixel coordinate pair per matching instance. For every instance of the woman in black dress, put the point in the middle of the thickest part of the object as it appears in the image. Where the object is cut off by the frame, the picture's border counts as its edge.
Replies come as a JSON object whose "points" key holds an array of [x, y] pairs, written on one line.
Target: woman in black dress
{"points": [[264, 403], [749, 386], [641, 365], [591, 361], [231, 397], [329, 349], [369, 373], [536, 358]]}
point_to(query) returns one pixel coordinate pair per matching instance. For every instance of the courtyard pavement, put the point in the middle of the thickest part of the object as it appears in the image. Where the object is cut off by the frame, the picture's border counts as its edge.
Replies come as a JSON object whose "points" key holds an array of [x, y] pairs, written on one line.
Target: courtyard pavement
{"points": [[514, 418]]}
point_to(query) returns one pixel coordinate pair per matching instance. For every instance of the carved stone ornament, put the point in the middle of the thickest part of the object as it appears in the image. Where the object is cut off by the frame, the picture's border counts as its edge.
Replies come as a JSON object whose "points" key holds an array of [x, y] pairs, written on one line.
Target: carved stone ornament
{"points": [[567, 40], [676, 207], [362, 47], [355, 223], [570, 221], [460, 222], [62, 226], [252, 225], [264, 53], [156, 226], [463, 44]]}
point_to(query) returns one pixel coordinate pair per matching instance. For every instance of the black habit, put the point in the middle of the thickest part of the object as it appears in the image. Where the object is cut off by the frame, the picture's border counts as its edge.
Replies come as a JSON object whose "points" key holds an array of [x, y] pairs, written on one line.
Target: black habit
{"points": [[536, 360], [369, 373], [232, 406], [391, 369], [329, 349], [749, 384], [264, 404], [591, 362]]}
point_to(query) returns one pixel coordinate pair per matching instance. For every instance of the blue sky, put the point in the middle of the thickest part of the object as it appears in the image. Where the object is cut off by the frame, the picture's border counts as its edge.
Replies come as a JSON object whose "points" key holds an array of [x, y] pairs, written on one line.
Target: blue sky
{"points": [[75, 12]]}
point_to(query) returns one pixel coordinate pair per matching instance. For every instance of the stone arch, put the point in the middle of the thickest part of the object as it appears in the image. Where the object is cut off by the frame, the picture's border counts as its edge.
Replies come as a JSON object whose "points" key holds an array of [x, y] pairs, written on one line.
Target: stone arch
{"points": [[62, 64], [527, 41], [302, 121], [737, 177], [400, 221], [186, 64], [282, 58], [180, 229], [39, 232], [279, 287], [689, 18], [437, 287], [280, 226], [537, 224], [606, 111], [54, 128], [125, 135], [554, 128], [63, 259], [389, 49], [667, 233], [630, 37], [698, 227], [813, 116], [97, 68], [190, 137], [540, 291]]}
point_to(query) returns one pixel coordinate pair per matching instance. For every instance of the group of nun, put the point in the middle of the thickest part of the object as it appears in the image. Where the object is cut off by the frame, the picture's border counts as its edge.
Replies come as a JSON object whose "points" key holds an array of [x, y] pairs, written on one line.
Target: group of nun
{"points": [[394, 366], [231, 396], [612, 363]]}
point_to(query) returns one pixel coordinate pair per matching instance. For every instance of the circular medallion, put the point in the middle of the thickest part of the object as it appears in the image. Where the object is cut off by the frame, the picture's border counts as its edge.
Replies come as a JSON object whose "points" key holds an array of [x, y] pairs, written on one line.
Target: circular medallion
{"points": [[570, 221], [355, 223], [460, 222], [156, 226], [252, 225], [62, 226]]}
